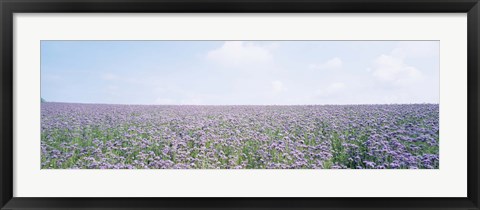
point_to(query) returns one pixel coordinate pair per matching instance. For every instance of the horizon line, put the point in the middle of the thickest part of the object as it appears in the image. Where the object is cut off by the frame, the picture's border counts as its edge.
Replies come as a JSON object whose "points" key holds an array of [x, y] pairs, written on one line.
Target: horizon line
{"points": [[87, 103]]}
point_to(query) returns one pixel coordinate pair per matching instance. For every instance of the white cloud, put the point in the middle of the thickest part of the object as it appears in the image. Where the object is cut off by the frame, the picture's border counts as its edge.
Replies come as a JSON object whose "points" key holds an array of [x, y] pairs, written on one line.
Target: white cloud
{"points": [[164, 101], [112, 90], [191, 101], [239, 52], [272, 46], [112, 87], [336, 86], [334, 63], [333, 88], [160, 89], [109, 76], [392, 70], [416, 49], [191, 98], [277, 86]]}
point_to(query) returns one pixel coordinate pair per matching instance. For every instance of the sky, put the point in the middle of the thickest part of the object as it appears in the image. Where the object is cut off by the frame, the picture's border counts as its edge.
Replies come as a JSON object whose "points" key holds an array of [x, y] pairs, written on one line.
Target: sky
{"points": [[240, 72]]}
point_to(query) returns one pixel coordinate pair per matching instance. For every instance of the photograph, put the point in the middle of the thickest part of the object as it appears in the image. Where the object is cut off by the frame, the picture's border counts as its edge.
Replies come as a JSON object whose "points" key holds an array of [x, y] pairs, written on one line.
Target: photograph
{"points": [[239, 104]]}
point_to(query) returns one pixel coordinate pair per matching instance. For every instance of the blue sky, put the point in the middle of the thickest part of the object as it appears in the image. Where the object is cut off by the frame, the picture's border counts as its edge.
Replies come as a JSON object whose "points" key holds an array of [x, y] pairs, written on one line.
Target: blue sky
{"points": [[240, 72]]}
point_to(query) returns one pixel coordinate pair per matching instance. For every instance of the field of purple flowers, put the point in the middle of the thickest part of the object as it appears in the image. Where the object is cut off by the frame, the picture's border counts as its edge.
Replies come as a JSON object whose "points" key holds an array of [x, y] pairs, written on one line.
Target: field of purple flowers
{"points": [[95, 136]]}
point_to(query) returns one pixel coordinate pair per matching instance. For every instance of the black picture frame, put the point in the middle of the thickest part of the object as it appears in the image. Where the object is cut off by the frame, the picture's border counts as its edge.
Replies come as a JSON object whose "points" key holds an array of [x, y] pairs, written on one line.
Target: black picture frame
{"points": [[9, 7]]}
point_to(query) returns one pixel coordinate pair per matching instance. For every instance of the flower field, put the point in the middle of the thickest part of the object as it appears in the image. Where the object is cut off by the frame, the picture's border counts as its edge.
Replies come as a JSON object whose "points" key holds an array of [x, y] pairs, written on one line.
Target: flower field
{"points": [[97, 136]]}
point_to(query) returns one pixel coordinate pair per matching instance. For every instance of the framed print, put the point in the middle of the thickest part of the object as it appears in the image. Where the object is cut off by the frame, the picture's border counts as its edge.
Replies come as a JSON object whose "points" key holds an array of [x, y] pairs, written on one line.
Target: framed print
{"points": [[239, 105]]}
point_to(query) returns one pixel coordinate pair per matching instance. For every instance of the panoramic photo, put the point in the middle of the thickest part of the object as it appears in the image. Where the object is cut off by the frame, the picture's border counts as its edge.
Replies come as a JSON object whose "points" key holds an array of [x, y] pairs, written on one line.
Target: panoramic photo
{"points": [[239, 105]]}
